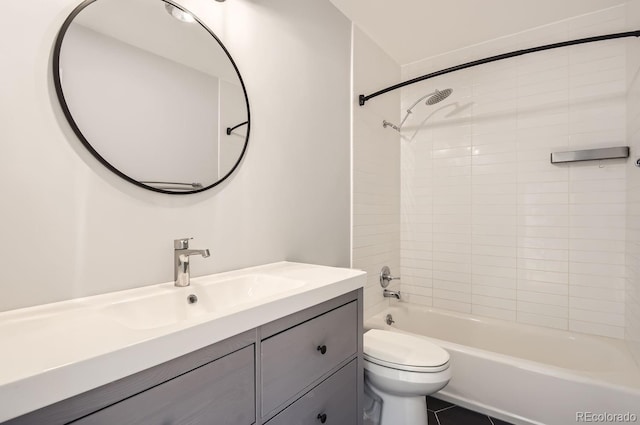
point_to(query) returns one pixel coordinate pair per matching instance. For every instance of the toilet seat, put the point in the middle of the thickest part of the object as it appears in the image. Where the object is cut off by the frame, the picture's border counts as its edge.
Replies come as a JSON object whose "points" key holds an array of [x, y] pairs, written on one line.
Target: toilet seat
{"points": [[404, 352], [406, 368]]}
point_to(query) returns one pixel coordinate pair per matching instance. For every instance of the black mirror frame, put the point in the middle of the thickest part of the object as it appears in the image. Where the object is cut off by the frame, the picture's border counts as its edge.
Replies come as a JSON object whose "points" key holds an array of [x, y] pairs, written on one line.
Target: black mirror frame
{"points": [[67, 113]]}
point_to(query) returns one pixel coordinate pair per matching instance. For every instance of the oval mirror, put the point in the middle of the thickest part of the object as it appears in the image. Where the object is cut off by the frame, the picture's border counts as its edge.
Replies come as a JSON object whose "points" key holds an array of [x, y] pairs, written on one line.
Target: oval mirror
{"points": [[152, 93]]}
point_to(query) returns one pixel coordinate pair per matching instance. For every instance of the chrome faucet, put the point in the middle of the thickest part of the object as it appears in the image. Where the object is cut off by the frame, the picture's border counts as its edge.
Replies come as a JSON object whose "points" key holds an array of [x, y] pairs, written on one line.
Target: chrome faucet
{"points": [[181, 254], [391, 294]]}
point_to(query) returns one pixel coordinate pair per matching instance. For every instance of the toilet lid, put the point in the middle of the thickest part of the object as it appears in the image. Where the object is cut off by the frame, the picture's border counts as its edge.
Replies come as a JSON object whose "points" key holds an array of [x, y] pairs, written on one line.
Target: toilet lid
{"points": [[403, 351]]}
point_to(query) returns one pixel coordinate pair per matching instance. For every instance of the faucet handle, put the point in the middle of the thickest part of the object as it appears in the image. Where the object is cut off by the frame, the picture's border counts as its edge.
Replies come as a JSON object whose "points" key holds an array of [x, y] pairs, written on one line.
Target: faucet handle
{"points": [[386, 277], [181, 243]]}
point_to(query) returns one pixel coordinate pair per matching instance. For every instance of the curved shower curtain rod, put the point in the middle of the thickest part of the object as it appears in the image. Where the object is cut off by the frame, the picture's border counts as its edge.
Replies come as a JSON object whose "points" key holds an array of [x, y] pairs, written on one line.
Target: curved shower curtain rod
{"points": [[363, 99]]}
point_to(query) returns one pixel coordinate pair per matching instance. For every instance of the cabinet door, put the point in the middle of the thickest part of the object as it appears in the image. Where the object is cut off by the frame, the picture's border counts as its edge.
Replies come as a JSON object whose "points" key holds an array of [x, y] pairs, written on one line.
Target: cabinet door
{"points": [[333, 402], [292, 360], [219, 393]]}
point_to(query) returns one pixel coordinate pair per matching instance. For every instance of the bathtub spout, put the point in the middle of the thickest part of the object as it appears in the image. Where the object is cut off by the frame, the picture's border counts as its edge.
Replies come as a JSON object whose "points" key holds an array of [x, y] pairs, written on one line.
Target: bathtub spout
{"points": [[391, 294]]}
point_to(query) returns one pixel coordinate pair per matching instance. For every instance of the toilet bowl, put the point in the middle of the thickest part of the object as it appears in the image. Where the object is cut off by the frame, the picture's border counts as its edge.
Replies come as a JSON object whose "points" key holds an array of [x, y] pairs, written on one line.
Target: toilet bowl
{"points": [[401, 370]]}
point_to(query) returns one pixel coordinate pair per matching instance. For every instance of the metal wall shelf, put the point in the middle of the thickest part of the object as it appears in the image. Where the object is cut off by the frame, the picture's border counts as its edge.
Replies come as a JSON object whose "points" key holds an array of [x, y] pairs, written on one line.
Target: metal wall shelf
{"points": [[590, 154]]}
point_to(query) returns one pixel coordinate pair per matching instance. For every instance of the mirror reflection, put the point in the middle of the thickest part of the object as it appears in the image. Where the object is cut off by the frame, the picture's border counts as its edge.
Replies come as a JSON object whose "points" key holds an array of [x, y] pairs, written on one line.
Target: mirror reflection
{"points": [[152, 93]]}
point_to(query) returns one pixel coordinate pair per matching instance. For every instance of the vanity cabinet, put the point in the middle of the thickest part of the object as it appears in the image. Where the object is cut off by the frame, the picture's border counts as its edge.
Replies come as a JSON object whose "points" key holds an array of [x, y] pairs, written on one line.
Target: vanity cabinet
{"points": [[334, 401], [305, 368], [222, 390], [295, 358]]}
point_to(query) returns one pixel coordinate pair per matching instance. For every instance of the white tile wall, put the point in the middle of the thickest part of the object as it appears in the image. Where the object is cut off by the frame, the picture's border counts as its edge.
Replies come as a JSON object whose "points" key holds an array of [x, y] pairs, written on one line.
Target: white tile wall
{"points": [[489, 226], [632, 310], [376, 175]]}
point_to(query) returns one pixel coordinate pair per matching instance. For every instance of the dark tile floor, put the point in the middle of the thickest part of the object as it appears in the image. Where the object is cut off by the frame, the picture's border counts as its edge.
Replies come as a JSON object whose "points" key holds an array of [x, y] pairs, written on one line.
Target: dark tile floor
{"points": [[441, 412]]}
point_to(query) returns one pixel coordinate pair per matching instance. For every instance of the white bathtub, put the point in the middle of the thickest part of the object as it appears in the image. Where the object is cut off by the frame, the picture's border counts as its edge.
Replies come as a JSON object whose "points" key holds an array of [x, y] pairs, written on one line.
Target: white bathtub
{"points": [[525, 374]]}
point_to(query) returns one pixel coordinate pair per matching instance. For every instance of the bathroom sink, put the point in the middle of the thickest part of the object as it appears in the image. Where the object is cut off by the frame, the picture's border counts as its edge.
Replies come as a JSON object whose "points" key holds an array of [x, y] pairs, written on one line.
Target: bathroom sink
{"points": [[166, 308], [77, 345], [171, 305], [229, 293]]}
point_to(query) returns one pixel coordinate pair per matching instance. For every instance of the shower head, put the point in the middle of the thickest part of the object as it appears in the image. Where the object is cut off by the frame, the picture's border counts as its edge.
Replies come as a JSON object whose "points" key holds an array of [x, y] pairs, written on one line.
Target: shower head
{"points": [[439, 96], [433, 98]]}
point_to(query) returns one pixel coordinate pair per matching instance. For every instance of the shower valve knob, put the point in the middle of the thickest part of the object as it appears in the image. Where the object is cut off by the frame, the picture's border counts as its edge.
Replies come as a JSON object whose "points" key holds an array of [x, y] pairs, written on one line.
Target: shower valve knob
{"points": [[386, 277]]}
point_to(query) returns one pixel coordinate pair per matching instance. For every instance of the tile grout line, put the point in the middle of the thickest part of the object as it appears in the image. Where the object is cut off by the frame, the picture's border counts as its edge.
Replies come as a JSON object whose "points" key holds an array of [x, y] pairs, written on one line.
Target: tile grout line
{"points": [[437, 418], [446, 408], [435, 413]]}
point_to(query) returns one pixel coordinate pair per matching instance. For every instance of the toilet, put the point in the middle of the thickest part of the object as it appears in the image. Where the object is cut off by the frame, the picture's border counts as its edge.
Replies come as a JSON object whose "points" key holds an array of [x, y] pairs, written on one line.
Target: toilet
{"points": [[400, 371]]}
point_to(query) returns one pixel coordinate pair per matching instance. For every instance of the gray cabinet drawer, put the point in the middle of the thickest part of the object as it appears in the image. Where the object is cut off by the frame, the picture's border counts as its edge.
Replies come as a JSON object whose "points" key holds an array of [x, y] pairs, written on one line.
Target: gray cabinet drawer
{"points": [[291, 360], [336, 398], [219, 393]]}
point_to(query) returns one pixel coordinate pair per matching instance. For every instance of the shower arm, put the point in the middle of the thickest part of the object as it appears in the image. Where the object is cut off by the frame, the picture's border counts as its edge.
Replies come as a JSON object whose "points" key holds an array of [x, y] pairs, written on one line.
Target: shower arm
{"points": [[363, 99], [413, 106]]}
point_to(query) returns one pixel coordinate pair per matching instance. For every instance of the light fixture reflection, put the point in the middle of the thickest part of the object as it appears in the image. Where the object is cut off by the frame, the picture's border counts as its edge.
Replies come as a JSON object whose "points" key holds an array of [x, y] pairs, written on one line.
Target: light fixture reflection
{"points": [[179, 14]]}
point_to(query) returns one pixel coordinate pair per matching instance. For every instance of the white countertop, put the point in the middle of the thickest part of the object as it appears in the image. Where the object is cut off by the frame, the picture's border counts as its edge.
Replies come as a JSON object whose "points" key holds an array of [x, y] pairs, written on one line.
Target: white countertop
{"points": [[55, 351]]}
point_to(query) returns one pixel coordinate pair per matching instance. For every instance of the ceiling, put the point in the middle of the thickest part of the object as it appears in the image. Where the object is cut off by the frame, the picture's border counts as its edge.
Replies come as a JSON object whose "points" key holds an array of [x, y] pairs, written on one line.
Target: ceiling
{"points": [[411, 30]]}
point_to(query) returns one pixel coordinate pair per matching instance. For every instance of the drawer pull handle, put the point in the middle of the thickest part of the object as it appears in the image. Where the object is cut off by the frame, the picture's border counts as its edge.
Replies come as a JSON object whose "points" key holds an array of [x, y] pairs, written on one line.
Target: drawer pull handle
{"points": [[322, 417], [322, 349]]}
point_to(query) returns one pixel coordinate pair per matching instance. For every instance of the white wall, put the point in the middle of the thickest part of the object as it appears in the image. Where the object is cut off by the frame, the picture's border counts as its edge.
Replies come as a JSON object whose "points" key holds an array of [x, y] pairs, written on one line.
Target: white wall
{"points": [[141, 111], [376, 169], [633, 184], [489, 226], [70, 228]]}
